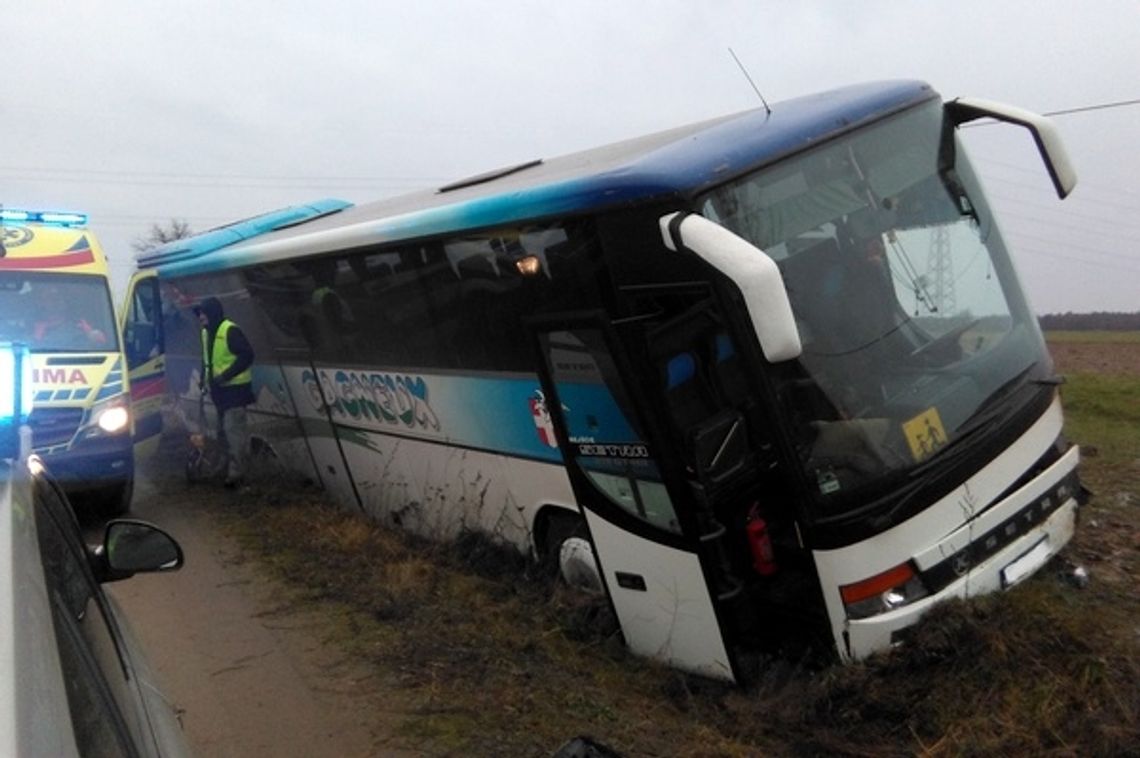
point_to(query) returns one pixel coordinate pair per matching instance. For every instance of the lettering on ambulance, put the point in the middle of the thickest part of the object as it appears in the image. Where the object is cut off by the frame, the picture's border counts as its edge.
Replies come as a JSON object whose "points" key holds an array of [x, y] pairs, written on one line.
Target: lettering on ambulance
{"points": [[387, 398], [58, 376]]}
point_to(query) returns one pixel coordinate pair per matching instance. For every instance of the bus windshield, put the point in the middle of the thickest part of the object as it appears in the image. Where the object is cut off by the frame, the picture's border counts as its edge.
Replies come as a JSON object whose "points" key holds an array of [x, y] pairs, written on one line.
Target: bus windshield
{"points": [[57, 313], [910, 314]]}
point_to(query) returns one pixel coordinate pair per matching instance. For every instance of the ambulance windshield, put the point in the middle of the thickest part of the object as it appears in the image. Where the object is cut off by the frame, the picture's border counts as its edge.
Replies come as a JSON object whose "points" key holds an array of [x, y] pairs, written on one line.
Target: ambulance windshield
{"points": [[57, 313]]}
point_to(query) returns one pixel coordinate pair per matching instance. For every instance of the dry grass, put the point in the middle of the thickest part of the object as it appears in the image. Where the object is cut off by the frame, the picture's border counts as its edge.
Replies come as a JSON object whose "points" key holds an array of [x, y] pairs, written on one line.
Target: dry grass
{"points": [[492, 659]]}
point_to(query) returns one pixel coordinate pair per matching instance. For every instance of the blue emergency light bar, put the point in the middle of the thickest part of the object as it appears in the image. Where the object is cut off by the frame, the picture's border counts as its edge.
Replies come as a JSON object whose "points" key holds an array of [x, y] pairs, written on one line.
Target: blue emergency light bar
{"points": [[57, 218], [16, 392]]}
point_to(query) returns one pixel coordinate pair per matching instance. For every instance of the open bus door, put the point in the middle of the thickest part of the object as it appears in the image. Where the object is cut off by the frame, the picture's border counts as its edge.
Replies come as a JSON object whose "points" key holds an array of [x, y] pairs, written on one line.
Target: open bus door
{"points": [[145, 349], [648, 552]]}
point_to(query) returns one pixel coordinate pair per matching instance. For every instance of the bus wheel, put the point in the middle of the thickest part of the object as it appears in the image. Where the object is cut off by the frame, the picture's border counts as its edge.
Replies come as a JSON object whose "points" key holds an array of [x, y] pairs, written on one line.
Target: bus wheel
{"points": [[568, 551]]}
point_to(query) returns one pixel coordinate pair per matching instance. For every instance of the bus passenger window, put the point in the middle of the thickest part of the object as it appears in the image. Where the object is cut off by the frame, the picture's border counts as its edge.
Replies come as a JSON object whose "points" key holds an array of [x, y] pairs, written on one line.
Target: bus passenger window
{"points": [[327, 321]]}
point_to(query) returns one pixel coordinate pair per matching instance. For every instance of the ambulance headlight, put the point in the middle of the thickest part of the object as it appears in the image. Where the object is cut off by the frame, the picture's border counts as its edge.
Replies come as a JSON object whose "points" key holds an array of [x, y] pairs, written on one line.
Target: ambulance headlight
{"points": [[108, 417], [114, 419]]}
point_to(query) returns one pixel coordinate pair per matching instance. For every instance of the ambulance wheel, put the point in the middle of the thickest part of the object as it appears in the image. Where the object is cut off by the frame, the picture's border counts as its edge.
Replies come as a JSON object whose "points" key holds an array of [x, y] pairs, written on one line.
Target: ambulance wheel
{"points": [[116, 498]]}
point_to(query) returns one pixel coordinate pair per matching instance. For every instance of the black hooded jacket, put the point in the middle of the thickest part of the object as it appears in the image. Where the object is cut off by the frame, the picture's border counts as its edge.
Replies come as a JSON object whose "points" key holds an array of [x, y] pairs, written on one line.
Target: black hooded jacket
{"points": [[226, 396]]}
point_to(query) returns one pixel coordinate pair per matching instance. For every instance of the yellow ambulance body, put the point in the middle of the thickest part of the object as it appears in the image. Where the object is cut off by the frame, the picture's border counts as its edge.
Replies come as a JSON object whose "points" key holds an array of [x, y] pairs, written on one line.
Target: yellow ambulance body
{"points": [[55, 296]]}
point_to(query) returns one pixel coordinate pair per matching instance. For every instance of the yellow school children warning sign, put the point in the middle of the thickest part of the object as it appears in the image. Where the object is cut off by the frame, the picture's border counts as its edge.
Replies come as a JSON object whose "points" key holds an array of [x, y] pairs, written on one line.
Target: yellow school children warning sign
{"points": [[924, 433]]}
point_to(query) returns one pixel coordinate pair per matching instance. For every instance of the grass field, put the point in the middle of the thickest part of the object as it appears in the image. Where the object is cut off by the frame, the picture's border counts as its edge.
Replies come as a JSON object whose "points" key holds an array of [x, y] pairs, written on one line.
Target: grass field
{"points": [[487, 662], [1120, 338]]}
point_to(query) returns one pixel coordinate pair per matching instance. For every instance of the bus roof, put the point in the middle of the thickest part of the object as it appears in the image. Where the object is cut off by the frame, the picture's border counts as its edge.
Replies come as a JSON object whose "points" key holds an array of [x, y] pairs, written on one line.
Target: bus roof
{"points": [[674, 163]]}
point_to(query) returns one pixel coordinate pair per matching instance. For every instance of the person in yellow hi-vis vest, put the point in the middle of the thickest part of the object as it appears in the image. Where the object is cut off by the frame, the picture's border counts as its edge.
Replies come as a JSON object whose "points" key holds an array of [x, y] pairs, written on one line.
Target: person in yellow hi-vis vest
{"points": [[227, 360]]}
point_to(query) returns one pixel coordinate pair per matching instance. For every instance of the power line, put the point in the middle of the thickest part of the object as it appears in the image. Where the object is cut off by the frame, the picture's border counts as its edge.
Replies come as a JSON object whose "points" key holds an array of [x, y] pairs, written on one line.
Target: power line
{"points": [[986, 164], [1065, 111], [1036, 251], [1003, 196], [1099, 107], [267, 184], [1017, 238], [221, 177]]}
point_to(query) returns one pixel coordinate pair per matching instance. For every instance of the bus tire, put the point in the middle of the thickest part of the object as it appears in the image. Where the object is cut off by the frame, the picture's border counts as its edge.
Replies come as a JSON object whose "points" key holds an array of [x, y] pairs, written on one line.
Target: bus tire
{"points": [[567, 553]]}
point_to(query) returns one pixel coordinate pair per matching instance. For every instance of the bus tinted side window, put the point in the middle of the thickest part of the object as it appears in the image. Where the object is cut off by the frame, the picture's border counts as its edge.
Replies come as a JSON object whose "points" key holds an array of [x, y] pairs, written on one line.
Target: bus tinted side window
{"points": [[455, 304], [279, 292], [399, 304]]}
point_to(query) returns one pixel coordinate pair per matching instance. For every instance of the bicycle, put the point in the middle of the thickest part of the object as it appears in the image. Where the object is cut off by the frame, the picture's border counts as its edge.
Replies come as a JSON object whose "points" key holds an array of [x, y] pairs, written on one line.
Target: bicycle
{"points": [[209, 457]]}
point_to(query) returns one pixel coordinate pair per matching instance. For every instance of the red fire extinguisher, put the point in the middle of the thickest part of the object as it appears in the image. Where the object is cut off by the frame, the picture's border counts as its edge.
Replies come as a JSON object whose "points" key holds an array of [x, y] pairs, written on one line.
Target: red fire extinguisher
{"points": [[763, 559]]}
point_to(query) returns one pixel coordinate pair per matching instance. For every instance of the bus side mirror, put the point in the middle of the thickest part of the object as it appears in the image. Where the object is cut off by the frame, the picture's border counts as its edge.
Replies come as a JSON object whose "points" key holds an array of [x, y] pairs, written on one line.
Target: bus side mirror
{"points": [[1048, 139], [751, 270]]}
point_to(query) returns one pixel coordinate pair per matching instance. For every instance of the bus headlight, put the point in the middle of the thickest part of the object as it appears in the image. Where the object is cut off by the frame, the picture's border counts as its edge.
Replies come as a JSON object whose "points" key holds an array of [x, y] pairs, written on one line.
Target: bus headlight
{"points": [[883, 592], [108, 417]]}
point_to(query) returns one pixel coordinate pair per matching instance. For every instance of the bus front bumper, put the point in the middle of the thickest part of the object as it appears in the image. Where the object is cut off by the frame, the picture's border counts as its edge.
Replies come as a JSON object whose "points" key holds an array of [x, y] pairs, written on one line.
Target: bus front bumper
{"points": [[1004, 569]]}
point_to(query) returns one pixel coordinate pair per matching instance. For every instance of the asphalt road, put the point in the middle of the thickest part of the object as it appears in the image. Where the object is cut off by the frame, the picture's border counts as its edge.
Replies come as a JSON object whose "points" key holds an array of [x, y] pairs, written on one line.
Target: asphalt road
{"points": [[252, 675]]}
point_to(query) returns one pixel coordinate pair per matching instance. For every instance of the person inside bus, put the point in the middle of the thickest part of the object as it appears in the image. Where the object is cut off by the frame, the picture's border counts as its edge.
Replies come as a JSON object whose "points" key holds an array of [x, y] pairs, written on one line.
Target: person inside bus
{"points": [[56, 326], [327, 323], [227, 360]]}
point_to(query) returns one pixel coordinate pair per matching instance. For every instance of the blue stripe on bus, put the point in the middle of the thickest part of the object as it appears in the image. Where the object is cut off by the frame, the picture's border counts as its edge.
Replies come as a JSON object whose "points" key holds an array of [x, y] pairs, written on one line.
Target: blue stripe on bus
{"points": [[505, 415]]}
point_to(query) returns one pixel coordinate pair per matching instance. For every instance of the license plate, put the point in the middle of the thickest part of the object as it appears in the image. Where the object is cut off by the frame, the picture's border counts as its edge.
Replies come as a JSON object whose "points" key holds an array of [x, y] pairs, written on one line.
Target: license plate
{"points": [[1028, 562]]}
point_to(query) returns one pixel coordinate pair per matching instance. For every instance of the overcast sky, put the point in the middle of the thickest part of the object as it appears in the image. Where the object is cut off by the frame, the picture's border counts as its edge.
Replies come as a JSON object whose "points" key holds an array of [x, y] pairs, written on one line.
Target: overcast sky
{"points": [[213, 110]]}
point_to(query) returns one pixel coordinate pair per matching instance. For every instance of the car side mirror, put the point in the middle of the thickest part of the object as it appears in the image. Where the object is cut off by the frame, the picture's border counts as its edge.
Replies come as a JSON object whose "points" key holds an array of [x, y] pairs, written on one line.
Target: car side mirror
{"points": [[135, 547]]}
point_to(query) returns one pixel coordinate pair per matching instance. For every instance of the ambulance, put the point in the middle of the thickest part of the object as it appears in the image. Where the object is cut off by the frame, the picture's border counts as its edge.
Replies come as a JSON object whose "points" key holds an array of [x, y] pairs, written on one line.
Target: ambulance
{"points": [[55, 297]]}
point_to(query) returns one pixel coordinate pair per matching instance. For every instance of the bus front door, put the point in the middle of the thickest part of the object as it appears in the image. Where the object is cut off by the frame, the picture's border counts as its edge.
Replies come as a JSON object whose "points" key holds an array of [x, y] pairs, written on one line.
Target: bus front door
{"points": [[648, 556]]}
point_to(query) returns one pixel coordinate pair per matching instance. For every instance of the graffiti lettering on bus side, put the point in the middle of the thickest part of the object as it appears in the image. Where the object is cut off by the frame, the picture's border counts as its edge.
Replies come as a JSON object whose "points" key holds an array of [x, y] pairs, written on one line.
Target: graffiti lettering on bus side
{"points": [[360, 396], [58, 376]]}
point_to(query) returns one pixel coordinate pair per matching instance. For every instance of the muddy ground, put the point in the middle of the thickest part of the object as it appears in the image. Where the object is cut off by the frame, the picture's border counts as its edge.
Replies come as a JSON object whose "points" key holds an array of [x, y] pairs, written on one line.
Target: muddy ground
{"points": [[1120, 358], [248, 668]]}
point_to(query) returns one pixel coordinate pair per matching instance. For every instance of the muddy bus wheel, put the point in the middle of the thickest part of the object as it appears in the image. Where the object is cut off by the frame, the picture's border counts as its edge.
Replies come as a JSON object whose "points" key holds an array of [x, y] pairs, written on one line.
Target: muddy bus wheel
{"points": [[567, 553]]}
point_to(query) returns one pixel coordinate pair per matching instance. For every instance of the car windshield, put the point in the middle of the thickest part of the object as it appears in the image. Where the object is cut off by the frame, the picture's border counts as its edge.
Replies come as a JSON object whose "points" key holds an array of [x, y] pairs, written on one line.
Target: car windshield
{"points": [[57, 313], [909, 311]]}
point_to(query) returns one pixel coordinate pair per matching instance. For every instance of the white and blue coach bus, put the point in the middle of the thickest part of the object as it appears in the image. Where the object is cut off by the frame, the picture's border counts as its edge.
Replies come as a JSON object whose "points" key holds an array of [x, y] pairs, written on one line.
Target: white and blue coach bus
{"points": [[769, 377]]}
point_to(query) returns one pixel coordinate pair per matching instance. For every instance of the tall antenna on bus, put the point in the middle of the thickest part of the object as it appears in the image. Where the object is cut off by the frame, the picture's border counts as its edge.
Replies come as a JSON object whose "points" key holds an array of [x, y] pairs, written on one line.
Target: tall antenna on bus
{"points": [[755, 89]]}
